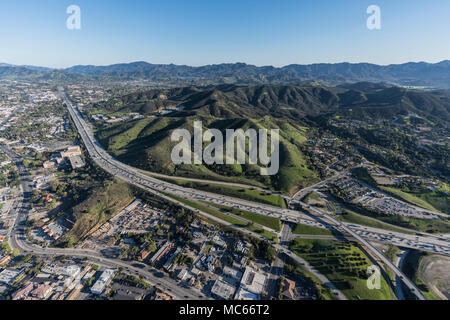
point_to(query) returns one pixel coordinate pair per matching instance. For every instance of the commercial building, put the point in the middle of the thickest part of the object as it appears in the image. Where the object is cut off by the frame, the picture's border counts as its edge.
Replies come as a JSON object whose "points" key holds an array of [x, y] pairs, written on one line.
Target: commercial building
{"points": [[162, 251], [231, 275], [71, 152], [68, 271], [162, 296], [4, 259], [49, 165], [76, 162], [223, 290], [288, 289], [182, 274], [42, 291], [22, 293], [7, 276], [144, 254], [101, 284], [219, 241], [168, 265], [252, 285]]}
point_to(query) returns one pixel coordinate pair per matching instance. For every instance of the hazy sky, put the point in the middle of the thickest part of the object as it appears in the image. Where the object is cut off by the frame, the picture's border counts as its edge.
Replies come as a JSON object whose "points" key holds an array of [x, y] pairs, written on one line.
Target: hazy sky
{"points": [[199, 32]]}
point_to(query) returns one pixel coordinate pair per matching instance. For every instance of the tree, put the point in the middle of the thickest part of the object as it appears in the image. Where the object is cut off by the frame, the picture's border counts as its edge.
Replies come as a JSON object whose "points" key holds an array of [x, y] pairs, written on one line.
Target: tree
{"points": [[16, 252], [151, 246]]}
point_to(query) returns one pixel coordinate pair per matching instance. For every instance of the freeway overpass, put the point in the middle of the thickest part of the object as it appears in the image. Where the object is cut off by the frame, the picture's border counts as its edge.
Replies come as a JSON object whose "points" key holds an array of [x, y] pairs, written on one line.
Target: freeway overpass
{"points": [[160, 188], [17, 239], [409, 284]]}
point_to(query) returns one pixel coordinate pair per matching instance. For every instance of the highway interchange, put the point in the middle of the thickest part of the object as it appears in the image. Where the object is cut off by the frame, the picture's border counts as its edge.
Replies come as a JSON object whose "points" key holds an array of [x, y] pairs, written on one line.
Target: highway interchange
{"points": [[160, 188]]}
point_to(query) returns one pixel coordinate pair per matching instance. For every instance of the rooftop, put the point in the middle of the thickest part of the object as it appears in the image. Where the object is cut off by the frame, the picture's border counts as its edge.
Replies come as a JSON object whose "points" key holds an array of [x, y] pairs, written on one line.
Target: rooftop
{"points": [[223, 290]]}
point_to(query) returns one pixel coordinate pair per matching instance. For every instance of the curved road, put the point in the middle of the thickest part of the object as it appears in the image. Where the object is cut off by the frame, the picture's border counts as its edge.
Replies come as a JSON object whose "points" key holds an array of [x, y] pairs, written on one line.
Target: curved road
{"points": [[160, 188]]}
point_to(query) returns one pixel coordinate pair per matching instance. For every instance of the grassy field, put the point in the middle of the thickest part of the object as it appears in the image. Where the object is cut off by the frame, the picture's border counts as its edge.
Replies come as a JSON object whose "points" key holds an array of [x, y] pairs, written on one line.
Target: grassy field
{"points": [[409, 197], [392, 252], [308, 230], [237, 192], [344, 264], [422, 225], [310, 196], [216, 213], [269, 222], [101, 206], [353, 217]]}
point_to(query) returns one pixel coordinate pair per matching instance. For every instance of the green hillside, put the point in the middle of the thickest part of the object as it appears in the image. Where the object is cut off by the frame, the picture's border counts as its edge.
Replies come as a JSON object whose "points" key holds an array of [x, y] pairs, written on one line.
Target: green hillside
{"points": [[147, 144], [301, 112]]}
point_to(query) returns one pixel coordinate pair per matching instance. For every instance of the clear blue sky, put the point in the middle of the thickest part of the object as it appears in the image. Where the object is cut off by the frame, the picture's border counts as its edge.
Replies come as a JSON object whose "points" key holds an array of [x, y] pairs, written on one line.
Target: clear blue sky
{"points": [[199, 32]]}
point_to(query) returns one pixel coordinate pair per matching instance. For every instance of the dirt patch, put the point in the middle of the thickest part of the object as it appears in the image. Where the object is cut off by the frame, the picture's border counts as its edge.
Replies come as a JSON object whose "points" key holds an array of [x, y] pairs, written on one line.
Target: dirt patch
{"points": [[434, 270]]}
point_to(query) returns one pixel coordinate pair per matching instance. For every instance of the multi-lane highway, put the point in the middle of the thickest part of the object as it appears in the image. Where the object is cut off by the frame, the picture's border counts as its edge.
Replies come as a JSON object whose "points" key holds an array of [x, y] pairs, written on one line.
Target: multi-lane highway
{"points": [[136, 177], [162, 188], [343, 227], [17, 239]]}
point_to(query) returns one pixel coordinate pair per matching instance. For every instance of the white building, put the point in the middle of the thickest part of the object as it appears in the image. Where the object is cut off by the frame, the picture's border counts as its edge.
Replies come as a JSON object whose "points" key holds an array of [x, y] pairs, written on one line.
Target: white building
{"points": [[7, 276], [100, 285], [223, 290], [252, 285]]}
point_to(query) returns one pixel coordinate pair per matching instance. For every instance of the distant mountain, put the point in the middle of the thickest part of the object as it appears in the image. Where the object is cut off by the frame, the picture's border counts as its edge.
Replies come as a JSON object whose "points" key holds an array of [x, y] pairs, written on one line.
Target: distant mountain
{"points": [[38, 73], [409, 74], [419, 74], [37, 68]]}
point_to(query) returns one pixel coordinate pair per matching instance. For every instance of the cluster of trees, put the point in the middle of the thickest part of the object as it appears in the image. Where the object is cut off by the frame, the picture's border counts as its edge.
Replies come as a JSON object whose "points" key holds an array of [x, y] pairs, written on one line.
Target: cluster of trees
{"points": [[263, 250], [183, 259], [135, 281]]}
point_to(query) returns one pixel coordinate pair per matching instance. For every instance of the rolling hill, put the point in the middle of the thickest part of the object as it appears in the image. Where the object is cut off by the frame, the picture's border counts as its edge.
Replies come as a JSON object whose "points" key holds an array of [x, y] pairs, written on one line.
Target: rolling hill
{"points": [[286, 101], [146, 143]]}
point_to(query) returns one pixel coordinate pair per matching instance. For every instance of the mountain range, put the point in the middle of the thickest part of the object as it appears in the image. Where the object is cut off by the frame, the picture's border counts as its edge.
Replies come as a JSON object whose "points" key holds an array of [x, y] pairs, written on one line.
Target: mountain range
{"points": [[435, 75]]}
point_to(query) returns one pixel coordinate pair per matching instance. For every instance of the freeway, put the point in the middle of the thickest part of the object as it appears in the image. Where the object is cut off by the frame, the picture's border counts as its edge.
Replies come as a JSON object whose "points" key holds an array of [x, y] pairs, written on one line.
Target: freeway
{"points": [[17, 239], [303, 192], [136, 177], [216, 182], [341, 226], [161, 188]]}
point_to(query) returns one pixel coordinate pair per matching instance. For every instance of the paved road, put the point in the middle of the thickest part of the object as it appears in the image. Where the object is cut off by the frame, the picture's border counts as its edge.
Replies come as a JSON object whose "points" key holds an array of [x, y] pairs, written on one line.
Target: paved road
{"points": [[302, 193], [136, 177], [151, 275], [160, 188], [17, 239], [408, 283], [397, 283], [217, 182]]}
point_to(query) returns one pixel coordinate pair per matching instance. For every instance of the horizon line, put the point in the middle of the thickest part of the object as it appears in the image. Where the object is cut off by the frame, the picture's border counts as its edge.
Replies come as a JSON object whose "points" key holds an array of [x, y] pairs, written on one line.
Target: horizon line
{"points": [[218, 64]]}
